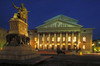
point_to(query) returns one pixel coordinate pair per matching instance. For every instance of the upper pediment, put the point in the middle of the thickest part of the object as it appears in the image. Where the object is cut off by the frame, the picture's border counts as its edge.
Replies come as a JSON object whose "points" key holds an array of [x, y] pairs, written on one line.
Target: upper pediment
{"points": [[60, 21], [57, 24]]}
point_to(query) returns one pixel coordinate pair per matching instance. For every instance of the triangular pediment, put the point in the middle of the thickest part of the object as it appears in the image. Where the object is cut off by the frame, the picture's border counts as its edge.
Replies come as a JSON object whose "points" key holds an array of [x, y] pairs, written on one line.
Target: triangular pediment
{"points": [[58, 24], [60, 21]]}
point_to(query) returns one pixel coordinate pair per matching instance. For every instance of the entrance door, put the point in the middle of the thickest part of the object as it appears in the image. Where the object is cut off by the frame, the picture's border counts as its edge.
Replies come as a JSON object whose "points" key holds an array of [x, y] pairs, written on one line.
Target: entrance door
{"points": [[63, 48], [58, 46], [52, 47], [69, 47]]}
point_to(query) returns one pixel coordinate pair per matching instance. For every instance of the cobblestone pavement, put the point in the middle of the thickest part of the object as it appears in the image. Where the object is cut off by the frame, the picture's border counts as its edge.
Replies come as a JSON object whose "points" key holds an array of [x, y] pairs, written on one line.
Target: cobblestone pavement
{"points": [[71, 60]]}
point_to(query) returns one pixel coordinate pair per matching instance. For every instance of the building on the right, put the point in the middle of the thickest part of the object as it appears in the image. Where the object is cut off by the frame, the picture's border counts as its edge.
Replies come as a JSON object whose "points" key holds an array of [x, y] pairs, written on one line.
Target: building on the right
{"points": [[61, 32], [86, 39]]}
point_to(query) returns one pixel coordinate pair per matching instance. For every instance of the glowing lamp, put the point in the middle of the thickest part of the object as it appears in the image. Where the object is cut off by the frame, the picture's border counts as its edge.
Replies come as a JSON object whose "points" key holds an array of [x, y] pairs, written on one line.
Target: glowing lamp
{"points": [[55, 45], [45, 45], [40, 45], [50, 45]]}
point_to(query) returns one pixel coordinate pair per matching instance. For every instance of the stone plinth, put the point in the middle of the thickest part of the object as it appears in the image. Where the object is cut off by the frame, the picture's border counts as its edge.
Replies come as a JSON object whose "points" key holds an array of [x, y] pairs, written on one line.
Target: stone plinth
{"points": [[18, 26], [23, 52]]}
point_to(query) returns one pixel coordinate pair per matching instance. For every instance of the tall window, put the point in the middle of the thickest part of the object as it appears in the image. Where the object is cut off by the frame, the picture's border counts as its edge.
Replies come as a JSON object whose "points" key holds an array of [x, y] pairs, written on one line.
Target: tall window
{"points": [[63, 38], [83, 46], [58, 39], [53, 39], [69, 39], [84, 39], [74, 39], [35, 39]]}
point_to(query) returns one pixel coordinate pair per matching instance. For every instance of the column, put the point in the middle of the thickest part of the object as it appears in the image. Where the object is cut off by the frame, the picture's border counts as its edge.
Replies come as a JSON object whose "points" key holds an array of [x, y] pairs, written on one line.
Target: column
{"points": [[66, 45], [79, 40], [55, 41], [43, 40], [72, 43], [60, 40], [49, 41], [38, 41]]}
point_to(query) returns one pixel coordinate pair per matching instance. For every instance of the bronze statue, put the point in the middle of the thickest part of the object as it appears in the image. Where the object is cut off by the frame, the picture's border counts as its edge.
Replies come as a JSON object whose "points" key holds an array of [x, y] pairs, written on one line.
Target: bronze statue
{"points": [[22, 13]]}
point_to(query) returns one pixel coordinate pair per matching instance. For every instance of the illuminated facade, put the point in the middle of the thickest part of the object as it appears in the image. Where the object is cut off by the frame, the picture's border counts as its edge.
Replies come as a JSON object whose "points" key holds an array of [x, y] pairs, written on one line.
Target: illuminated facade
{"points": [[61, 32]]}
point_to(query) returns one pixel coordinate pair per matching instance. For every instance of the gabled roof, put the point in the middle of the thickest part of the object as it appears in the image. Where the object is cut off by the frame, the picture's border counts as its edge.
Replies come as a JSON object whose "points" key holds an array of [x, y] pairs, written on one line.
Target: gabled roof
{"points": [[60, 18], [63, 18]]}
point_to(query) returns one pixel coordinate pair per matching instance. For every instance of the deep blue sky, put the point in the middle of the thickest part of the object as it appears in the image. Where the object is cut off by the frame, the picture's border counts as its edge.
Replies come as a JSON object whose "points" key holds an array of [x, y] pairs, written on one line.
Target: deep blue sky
{"points": [[86, 11]]}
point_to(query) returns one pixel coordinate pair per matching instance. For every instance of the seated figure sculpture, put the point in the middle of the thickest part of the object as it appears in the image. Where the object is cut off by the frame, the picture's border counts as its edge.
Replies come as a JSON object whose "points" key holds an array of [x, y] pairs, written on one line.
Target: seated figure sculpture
{"points": [[22, 13]]}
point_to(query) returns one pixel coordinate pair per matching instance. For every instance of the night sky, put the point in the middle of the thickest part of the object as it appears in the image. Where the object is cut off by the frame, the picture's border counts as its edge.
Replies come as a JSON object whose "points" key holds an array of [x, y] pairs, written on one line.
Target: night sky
{"points": [[86, 11]]}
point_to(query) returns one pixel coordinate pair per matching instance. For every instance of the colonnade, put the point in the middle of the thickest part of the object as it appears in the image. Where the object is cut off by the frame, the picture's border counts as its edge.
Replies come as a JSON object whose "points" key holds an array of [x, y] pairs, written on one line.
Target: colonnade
{"points": [[53, 41]]}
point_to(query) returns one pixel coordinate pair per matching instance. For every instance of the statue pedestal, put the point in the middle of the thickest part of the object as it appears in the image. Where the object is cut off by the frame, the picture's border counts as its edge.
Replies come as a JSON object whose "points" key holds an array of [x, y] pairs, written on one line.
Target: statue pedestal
{"points": [[18, 26], [23, 52], [18, 45]]}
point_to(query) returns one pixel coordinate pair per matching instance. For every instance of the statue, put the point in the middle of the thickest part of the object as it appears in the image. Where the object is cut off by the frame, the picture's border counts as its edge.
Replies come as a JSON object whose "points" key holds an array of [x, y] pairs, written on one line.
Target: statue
{"points": [[22, 13]]}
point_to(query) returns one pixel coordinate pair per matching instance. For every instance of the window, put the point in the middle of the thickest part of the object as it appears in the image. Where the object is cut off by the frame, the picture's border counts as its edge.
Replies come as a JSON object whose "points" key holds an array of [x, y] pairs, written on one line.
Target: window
{"points": [[84, 39], [52, 38], [83, 46], [63, 38], [58, 39], [35, 39], [69, 39], [74, 39]]}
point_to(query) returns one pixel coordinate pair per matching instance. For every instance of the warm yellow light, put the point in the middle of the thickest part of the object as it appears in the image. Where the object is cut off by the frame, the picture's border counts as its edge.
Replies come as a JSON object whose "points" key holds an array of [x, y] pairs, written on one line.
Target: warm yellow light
{"points": [[45, 45], [52, 38], [40, 45], [58, 39], [61, 45], [84, 39], [47, 38], [92, 44], [75, 44], [42, 39], [55, 45], [69, 44], [75, 47], [58, 43], [50, 45], [35, 46], [81, 53], [83, 46], [69, 38], [35, 39], [63, 38], [74, 40]]}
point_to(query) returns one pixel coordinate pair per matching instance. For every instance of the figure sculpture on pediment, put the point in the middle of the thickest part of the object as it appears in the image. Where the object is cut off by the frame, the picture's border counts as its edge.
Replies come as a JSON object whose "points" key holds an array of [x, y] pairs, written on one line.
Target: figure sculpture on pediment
{"points": [[22, 13]]}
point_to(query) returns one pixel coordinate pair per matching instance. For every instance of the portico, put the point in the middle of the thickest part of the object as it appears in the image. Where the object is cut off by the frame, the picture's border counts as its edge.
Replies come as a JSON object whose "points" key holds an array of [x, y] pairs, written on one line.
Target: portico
{"points": [[61, 40], [62, 32]]}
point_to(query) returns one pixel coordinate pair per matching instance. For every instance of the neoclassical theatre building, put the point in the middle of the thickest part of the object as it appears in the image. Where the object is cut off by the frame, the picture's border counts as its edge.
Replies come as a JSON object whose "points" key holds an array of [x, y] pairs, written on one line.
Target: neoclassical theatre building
{"points": [[61, 32]]}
